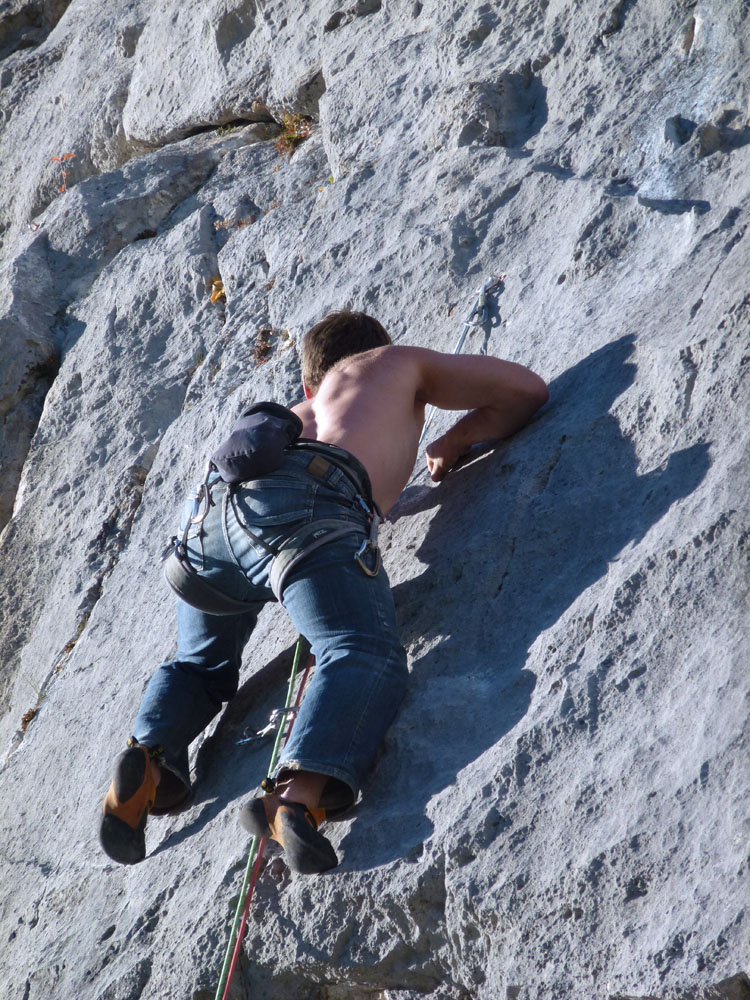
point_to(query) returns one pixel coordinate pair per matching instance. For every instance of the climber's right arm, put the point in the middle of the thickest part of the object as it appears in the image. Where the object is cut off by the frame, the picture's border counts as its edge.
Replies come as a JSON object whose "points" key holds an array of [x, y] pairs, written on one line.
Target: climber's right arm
{"points": [[501, 396]]}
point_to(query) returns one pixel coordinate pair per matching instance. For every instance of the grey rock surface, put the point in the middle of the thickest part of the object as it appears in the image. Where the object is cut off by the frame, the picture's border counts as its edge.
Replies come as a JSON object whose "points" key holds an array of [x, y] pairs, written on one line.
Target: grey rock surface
{"points": [[561, 807]]}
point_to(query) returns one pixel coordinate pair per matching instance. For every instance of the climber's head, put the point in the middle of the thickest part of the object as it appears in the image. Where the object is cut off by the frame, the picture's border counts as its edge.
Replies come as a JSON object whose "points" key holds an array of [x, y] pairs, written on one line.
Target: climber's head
{"points": [[338, 336]]}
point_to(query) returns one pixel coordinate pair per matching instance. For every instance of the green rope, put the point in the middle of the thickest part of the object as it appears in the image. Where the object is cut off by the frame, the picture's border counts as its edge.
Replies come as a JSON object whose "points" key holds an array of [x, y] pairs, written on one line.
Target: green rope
{"points": [[255, 842]]}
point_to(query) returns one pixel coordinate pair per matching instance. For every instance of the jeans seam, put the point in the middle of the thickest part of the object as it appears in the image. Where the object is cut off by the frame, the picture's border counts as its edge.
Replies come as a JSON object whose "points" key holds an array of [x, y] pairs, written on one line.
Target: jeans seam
{"points": [[225, 531], [376, 682]]}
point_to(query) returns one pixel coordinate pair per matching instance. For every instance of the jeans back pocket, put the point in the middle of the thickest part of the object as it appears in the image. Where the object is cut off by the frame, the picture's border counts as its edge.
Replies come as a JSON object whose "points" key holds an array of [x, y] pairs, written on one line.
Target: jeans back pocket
{"points": [[274, 500]]}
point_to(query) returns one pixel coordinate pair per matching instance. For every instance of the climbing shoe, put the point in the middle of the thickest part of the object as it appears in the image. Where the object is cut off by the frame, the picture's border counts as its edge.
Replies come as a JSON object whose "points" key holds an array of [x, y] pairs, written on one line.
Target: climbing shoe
{"points": [[128, 802], [295, 827]]}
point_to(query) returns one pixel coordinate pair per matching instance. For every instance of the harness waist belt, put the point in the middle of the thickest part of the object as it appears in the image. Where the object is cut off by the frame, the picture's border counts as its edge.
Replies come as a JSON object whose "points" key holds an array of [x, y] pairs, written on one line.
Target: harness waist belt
{"points": [[352, 468]]}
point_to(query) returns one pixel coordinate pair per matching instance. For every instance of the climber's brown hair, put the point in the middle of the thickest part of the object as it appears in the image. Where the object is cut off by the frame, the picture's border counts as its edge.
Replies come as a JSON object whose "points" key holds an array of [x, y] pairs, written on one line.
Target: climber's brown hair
{"points": [[337, 336]]}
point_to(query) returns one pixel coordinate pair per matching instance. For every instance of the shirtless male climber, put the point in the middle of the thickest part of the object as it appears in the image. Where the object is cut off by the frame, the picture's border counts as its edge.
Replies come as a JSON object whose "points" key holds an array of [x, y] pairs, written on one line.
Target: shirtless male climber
{"points": [[361, 420]]}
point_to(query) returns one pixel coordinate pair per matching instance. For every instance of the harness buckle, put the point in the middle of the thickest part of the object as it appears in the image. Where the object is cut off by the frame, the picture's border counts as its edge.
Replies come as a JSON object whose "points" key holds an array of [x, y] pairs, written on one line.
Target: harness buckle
{"points": [[169, 548]]}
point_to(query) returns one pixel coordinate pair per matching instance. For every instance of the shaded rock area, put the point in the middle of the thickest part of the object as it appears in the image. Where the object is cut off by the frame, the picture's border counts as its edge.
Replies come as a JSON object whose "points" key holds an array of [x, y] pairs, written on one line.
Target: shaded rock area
{"points": [[560, 809]]}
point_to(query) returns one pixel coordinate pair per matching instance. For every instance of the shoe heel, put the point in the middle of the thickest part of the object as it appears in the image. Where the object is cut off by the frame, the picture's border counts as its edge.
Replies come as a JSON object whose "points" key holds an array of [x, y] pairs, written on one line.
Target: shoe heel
{"points": [[253, 818], [131, 773], [307, 851]]}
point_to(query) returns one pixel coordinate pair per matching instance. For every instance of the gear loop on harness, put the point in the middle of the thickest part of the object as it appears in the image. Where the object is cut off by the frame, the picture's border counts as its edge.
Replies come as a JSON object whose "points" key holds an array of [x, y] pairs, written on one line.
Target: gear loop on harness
{"points": [[178, 544]]}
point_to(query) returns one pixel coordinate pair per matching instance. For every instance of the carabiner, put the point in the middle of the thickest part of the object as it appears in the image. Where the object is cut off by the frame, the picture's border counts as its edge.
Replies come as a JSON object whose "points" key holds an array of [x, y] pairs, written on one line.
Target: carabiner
{"points": [[365, 547], [203, 496]]}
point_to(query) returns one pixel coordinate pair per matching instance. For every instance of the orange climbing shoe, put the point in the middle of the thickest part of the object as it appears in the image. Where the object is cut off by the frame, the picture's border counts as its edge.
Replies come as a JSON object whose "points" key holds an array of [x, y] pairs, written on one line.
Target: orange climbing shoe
{"points": [[130, 798], [295, 827]]}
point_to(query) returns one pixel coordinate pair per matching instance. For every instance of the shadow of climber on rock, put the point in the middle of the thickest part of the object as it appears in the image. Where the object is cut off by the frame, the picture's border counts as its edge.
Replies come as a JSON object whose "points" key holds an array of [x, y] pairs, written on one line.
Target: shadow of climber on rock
{"points": [[546, 515]]}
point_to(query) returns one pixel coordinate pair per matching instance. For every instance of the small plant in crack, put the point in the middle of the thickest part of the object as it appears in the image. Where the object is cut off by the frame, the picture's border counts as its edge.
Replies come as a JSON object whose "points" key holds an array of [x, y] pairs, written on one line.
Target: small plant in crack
{"points": [[70, 646], [194, 368], [28, 716], [231, 223], [63, 162], [262, 347], [295, 128]]}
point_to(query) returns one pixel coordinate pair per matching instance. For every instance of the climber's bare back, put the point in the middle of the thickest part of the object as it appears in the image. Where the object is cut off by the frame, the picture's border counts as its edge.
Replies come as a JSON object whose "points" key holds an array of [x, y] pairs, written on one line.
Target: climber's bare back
{"points": [[373, 405]]}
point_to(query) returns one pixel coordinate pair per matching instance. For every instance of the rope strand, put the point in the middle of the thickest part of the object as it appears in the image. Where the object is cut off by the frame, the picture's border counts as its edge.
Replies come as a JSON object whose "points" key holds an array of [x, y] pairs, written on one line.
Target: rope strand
{"points": [[257, 845]]}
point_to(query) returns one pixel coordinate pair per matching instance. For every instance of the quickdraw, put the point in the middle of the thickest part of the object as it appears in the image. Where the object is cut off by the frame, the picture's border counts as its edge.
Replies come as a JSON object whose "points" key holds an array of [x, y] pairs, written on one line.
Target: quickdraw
{"points": [[273, 721]]}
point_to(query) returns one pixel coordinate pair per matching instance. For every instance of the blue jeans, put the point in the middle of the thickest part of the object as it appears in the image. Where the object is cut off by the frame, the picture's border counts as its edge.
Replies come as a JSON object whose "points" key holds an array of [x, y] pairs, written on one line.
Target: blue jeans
{"points": [[347, 617]]}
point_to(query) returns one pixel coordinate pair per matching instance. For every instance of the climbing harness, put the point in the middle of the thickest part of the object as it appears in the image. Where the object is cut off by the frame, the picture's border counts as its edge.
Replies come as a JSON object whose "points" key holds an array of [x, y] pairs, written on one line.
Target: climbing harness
{"points": [[180, 573], [257, 845], [303, 543], [479, 309], [235, 457]]}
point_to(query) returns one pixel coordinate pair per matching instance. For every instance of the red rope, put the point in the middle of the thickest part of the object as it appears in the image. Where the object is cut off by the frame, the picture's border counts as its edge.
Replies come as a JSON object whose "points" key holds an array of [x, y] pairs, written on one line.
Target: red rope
{"points": [[261, 846], [243, 922]]}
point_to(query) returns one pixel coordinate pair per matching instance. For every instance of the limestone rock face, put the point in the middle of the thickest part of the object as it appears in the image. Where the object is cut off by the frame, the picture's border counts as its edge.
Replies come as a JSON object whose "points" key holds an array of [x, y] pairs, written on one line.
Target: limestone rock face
{"points": [[561, 807]]}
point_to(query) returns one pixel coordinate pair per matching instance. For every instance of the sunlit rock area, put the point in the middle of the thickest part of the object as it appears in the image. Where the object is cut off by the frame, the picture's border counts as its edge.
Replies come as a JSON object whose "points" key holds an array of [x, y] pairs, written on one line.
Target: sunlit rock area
{"points": [[560, 811]]}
